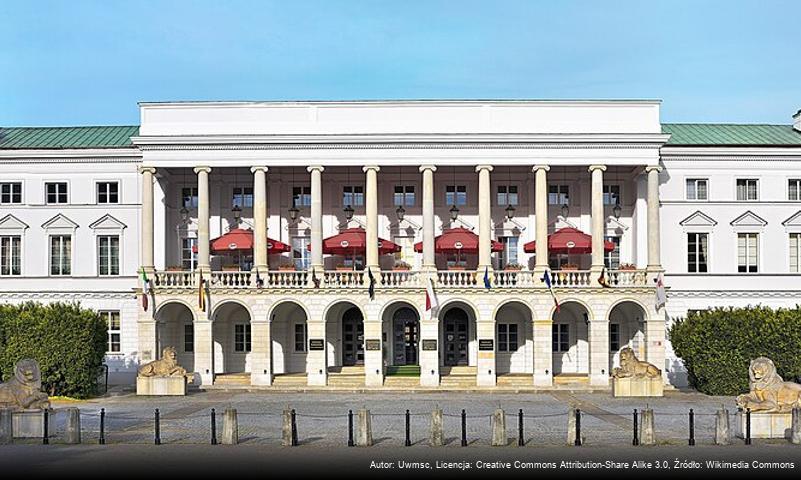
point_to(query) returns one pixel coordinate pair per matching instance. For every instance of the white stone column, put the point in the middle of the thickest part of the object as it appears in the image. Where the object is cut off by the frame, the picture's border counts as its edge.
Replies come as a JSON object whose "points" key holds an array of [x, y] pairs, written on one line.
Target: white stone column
{"points": [[260, 262], [146, 337], [371, 212], [373, 358], [485, 366], [261, 353], [654, 260], [484, 218], [543, 355], [204, 348], [316, 218], [147, 218], [316, 357], [541, 218], [599, 352], [429, 258], [655, 343], [429, 357], [203, 257], [598, 221]]}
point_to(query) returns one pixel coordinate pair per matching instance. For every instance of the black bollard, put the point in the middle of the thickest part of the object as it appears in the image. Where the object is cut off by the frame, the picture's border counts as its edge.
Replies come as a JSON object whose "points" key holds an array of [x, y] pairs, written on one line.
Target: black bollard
{"points": [[691, 441], [520, 439], [350, 428], [748, 426], [213, 427], [408, 441], [102, 439], [157, 436], [294, 424], [464, 428], [577, 442], [636, 439], [45, 428]]}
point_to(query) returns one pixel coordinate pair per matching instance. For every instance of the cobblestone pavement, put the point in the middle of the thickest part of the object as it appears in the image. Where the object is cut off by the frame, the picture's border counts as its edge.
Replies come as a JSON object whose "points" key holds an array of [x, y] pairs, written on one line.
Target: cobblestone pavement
{"points": [[322, 417]]}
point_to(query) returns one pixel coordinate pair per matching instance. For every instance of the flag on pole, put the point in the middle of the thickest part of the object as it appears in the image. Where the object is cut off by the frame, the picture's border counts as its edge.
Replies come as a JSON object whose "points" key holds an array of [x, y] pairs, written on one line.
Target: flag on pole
{"points": [[145, 289], [661, 295], [315, 280], [487, 283], [432, 303], [547, 279], [259, 280], [371, 287], [201, 293], [602, 278]]}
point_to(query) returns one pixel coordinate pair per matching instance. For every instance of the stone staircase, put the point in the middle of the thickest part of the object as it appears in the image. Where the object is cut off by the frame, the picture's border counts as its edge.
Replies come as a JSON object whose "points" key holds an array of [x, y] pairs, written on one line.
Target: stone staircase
{"points": [[515, 380], [346, 377], [232, 379], [571, 379], [458, 377], [289, 380]]}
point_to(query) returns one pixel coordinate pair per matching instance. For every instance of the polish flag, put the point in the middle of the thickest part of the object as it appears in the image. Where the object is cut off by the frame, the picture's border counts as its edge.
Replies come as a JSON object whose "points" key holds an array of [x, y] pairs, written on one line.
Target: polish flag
{"points": [[432, 304]]}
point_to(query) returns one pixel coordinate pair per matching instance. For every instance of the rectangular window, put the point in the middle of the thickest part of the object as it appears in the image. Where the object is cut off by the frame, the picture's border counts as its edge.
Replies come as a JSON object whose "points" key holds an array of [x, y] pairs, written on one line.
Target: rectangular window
{"points": [[10, 255], [456, 195], [509, 254], [60, 255], [108, 254], [404, 196], [507, 195], [794, 189], [56, 193], [747, 189], [301, 196], [10, 193], [189, 197], [300, 337], [614, 337], [189, 338], [301, 254], [188, 255], [697, 189], [561, 337], [353, 195], [112, 318], [243, 196], [108, 192], [612, 195], [507, 337], [558, 195], [748, 252], [242, 338], [795, 252], [612, 259], [556, 260], [697, 252]]}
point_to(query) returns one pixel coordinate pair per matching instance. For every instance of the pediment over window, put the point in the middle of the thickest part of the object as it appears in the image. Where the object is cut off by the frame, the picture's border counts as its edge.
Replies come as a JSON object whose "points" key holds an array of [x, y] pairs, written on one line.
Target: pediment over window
{"points": [[60, 222], [561, 222], [749, 219], [698, 219], [794, 220], [10, 223], [107, 222], [615, 225]]}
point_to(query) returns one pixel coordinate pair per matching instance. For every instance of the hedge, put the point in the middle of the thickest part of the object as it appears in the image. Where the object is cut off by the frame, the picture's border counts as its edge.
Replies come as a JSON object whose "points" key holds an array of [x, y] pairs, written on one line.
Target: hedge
{"points": [[68, 341], [718, 345]]}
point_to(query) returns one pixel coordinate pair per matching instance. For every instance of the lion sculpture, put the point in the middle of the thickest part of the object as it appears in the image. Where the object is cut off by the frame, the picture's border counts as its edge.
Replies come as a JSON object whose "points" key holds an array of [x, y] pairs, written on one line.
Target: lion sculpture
{"points": [[630, 367], [24, 390], [769, 392], [167, 366]]}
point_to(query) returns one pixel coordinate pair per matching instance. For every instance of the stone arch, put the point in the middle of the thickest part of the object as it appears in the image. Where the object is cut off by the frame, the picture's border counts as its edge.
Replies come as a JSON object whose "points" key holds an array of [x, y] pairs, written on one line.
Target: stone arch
{"points": [[227, 301], [344, 334], [458, 333], [514, 342], [289, 337], [231, 337], [627, 319], [175, 327], [400, 326], [570, 332]]}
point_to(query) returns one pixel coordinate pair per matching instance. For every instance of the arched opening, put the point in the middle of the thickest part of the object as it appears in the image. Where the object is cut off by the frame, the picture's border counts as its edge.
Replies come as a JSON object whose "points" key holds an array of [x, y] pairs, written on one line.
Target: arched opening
{"points": [[626, 329], [458, 336], [401, 326], [290, 340], [514, 344], [175, 328], [232, 341], [570, 348], [344, 328]]}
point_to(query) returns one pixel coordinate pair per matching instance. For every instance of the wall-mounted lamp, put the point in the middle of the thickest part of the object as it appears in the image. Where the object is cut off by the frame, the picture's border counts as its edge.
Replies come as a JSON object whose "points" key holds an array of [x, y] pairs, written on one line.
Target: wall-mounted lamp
{"points": [[454, 211], [348, 210]]}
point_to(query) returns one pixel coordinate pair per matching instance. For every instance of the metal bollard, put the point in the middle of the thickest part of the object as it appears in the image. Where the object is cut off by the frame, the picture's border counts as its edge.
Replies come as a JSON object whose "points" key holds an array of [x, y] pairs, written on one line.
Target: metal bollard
{"points": [[157, 436], [521, 441], [748, 426], [578, 428], [213, 427], [102, 439], [408, 441], [691, 441], [294, 417], [350, 428], [636, 439], [464, 428], [45, 436]]}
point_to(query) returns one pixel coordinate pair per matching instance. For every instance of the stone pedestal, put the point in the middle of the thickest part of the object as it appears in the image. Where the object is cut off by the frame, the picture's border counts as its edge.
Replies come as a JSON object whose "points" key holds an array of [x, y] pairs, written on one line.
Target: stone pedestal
{"points": [[163, 386], [637, 387], [30, 423], [765, 425]]}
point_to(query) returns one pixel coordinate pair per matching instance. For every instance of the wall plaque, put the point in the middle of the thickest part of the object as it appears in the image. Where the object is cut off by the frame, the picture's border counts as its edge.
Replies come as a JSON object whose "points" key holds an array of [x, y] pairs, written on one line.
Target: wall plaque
{"points": [[316, 344], [430, 345], [372, 345], [486, 344]]}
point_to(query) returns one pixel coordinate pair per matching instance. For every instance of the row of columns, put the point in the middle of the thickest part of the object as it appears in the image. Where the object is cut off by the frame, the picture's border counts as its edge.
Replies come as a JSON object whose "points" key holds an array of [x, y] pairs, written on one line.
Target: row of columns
{"points": [[371, 211]]}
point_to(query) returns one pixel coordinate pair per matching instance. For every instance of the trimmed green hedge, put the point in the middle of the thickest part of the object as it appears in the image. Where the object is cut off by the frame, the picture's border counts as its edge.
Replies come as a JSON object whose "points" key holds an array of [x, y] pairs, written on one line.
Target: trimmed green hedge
{"points": [[68, 341], [718, 345]]}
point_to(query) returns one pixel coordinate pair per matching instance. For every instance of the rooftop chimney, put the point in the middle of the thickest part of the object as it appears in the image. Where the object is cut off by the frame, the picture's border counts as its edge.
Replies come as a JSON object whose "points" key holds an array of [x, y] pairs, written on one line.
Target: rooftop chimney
{"points": [[797, 120]]}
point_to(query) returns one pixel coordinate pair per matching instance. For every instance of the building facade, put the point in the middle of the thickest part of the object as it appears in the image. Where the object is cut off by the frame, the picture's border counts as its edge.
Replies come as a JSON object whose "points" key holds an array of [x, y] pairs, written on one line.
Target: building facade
{"points": [[711, 210]]}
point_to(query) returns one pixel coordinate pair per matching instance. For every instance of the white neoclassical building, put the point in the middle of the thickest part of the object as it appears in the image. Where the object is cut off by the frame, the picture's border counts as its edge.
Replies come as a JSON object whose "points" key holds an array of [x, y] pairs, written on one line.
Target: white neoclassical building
{"points": [[400, 243]]}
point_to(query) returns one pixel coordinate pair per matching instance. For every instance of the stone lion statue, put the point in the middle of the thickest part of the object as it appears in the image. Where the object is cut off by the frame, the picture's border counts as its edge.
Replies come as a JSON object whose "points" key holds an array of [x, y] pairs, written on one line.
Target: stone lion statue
{"points": [[24, 390], [167, 366], [630, 366], [769, 392]]}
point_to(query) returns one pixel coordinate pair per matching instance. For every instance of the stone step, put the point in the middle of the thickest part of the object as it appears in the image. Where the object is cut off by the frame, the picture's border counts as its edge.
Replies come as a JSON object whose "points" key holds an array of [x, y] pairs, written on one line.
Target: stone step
{"points": [[459, 371], [515, 380], [571, 378], [396, 381], [232, 379], [290, 380]]}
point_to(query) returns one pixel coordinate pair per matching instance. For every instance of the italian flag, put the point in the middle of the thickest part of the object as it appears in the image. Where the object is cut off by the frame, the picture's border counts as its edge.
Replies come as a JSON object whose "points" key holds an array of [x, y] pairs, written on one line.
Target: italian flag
{"points": [[145, 289]]}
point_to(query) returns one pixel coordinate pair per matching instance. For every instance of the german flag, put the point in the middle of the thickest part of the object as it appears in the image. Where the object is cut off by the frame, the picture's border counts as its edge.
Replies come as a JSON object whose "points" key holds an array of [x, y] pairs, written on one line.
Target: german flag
{"points": [[201, 293]]}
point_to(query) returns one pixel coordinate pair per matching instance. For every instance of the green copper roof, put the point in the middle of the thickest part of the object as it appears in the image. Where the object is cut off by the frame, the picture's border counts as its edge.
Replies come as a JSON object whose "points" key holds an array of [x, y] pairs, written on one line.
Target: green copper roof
{"points": [[731, 134], [67, 137]]}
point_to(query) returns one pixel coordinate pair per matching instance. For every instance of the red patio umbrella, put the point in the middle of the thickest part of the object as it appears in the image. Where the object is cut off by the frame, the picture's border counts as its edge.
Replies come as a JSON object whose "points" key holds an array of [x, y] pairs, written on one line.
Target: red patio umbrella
{"points": [[458, 240], [353, 241], [568, 240], [239, 240]]}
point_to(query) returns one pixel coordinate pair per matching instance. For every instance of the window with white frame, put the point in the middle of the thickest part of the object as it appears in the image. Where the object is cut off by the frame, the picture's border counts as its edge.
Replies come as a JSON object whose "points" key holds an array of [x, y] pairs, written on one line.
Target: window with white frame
{"points": [[560, 334], [113, 327], [56, 193], [189, 197], [242, 338], [697, 252], [612, 195], [301, 196], [747, 189], [353, 195], [614, 337], [509, 254], [404, 196], [696, 189], [300, 337], [507, 337], [794, 189], [188, 254], [10, 255], [301, 255], [108, 192], [242, 196], [456, 195], [108, 255], [507, 195], [748, 252], [612, 258], [558, 195], [60, 255], [10, 193], [189, 337], [795, 252]]}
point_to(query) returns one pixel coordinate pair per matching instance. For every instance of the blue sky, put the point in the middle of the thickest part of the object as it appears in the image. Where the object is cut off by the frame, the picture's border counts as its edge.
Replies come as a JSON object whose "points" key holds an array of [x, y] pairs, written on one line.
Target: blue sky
{"points": [[89, 62]]}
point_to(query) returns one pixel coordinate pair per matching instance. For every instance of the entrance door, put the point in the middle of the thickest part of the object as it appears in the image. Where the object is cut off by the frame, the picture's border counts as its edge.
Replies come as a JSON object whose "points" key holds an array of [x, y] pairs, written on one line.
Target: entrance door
{"points": [[352, 338], [455, 338], [405, 337]]}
